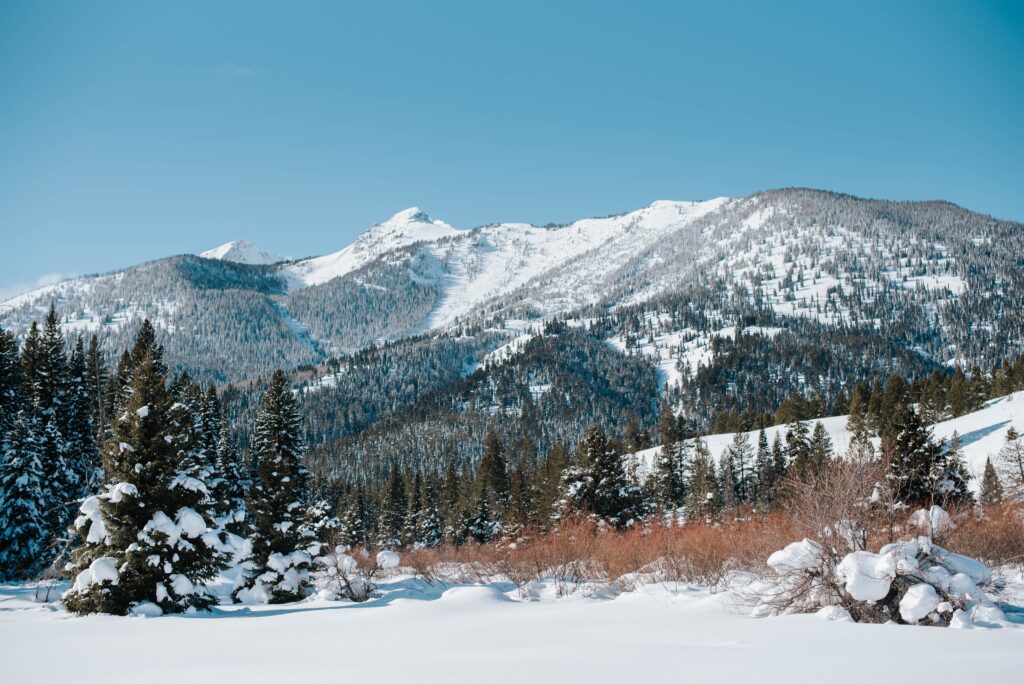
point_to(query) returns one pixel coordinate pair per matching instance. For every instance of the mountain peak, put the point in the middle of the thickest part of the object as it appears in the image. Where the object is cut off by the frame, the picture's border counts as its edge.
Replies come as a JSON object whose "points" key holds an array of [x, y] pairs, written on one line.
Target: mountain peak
{"points": [[241, 252], [410, 215]]}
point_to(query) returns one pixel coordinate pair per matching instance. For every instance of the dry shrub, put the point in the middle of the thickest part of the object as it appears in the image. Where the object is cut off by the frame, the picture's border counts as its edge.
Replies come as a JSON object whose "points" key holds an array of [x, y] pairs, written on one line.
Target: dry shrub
{"points": [[997, 538]]}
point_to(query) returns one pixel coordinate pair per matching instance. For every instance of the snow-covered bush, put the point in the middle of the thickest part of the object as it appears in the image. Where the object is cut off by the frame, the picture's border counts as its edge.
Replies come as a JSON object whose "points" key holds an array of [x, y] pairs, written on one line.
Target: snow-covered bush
{"points": [[912, 582], [351, 573]]}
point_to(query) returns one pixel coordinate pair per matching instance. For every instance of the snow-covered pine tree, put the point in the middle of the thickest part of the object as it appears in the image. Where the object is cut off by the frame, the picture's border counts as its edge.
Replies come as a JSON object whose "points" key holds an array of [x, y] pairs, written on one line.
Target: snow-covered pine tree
{"points": [[354, 520], [948, 478], [280, 550], [82, 454], [914, 455], [24, 525], [410, 529], [1010, 464], [146, 540], [609, 496], [10, 384], [492, 476], [391, 515], [430, 531], [232, 489]]}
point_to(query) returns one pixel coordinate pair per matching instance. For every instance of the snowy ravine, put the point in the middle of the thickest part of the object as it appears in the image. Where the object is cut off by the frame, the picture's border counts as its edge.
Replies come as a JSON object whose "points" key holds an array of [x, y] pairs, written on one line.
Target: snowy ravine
{"points": [[433, 633]]}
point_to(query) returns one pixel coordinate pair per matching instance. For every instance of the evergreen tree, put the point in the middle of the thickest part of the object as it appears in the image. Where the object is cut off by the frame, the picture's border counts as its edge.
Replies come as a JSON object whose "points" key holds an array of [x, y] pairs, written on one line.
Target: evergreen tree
{"points": [[764, 472], [391, 519], [430, 530], [10, 383], [354, 520], [948, 479], [231, 489], [991, 493], [82, 454], [603, 489], [914, 454], [279, 498], [820, 447], [1010, 464], [666, 482], [492, 478], [739, 460], [798, 448], [410, 529], [703, 498], [24, 528], [145, 537]]}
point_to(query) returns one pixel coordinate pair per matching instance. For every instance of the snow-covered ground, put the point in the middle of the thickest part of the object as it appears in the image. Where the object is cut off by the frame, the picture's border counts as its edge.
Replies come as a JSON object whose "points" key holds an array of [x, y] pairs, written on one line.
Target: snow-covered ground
{"points": [[436, 633], [982, 434]]}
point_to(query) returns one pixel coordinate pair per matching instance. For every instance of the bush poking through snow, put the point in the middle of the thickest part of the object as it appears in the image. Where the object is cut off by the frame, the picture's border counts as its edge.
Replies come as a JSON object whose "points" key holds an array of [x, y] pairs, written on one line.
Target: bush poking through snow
{"points": [[351, 573], [910, 582]]}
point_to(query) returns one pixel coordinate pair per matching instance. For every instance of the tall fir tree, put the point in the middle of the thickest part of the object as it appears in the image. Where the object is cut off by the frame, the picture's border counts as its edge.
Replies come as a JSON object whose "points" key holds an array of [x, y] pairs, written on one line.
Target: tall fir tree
{"points": [[279, 499], [703, 498], [393, 508], [24, 526], [145, 537], [991, 493]]}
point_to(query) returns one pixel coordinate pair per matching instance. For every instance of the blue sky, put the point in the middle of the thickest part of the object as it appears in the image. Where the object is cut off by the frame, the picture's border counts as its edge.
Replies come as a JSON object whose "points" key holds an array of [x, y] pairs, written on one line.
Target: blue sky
{"points": [[130, 131]]}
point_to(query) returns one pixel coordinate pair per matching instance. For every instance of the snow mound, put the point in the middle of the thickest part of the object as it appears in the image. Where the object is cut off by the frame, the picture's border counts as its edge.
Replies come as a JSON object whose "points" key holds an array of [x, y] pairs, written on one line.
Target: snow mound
{"points": [[475, 595]]}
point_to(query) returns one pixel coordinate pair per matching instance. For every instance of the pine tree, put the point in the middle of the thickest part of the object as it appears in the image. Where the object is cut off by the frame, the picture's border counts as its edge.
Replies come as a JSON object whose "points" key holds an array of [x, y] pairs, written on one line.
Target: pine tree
{"points": [[145, 537], [1010, 464], [948, 479], [914, 454], [10, 384], [703, 498], [430, 529], [391, 519], [354, 520], [97, 379], [798, 448], [764, 475], [739, 458], [492, 478], [82, 454], [666, 482], [602, 488], [280, 496], [991, 493], [232, 489], [820, 447], [410, 529], [24, 528], [858, 423]]}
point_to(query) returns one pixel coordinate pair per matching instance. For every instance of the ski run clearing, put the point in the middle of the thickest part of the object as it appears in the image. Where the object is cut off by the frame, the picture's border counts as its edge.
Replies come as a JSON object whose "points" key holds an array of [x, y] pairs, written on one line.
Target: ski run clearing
{"points": [[448, 632]]}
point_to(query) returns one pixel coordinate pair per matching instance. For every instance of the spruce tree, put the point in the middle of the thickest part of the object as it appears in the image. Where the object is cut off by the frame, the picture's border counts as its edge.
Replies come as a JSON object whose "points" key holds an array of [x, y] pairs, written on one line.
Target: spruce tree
{"points": [[146, 540], [410, 529], [1010, 464], [914, 455], [82, 454], [798, 448], [763, 470], [740, 458], [353, 520], [10, 384], [991, 493], [393, 508], [24, 525], [820, 447], [430, 530], [703, 498], [280, 496], [492, 478]]}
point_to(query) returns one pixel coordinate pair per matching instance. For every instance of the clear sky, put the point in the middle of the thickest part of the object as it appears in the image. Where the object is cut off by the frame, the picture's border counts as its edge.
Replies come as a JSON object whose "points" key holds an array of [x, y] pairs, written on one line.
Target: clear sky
{"points": [[135, 130]]}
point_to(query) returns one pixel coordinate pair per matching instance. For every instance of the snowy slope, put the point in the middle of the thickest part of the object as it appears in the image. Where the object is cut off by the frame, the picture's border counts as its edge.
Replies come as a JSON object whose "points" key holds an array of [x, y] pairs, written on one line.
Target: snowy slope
{"points": [[437, 633], [405, 228], [982, 434], [242, 252]]}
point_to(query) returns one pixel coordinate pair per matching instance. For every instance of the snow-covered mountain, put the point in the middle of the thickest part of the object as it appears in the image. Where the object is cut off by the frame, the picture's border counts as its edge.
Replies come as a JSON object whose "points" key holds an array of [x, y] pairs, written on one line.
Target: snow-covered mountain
{"points": [[242, 252], [943, 275]]}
